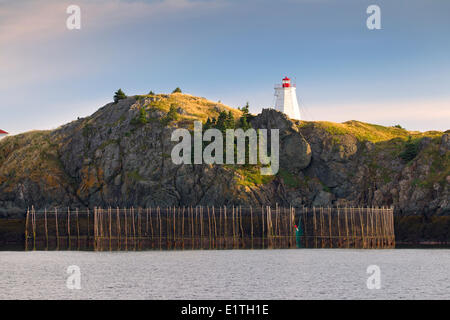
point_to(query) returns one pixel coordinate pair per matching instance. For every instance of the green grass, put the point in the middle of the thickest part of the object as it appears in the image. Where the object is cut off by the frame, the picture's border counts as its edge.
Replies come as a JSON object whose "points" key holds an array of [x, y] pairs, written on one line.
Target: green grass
{"points": [[366, 131], [251, 176], [289, 179]]}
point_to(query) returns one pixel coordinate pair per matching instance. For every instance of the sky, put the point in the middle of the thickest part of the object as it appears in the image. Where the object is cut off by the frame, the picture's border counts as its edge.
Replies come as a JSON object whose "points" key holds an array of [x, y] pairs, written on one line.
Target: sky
{"points": [[234, 51]]}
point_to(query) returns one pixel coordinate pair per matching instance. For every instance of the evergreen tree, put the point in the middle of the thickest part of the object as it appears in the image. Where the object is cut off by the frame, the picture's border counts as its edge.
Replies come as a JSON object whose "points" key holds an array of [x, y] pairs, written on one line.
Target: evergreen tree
{"points": [[221, 123], [245, 109], [172, 114], [177, 90], [151, 93], [411, 150], [245, 118], [119, 95], [142, 119], [208, 124], [230, 121]]}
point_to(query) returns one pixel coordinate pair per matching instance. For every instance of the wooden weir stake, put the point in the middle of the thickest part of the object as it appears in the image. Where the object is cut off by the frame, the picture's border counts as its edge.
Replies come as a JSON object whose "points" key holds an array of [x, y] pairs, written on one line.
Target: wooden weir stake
{"points": [[362, 227], [125, 222], [352, 219], [280, 215], [262, 224], [160, 227], [46, 229], [376, 228], [339, 227], [26, 229], [385, 234], [329, 227], [295, 221], [110, 228], [118, 231], [234, 240], [139, 228], [269, 233], [372, 229], [392, 227], [305, 223], [182, 229], [242, 229], [209, 228], [321, 229], [201, 228], [346, 228], [167, 228], [174, 223], [78, 229], [68, 226], [134, 228], [192, 229], [388, 228], [151, 226], [270, 224], [315, 227], [99, 229], [146, 222], [215, 228], [225, 226], [251, 224], [95, 229], [368, 231], [88, 229], [276, 225], [33, 222]]}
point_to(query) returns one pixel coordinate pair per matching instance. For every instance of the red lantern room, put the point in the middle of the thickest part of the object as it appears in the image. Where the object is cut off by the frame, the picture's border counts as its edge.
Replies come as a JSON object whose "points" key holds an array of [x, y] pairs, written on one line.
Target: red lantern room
{"points": [[286, 82]]}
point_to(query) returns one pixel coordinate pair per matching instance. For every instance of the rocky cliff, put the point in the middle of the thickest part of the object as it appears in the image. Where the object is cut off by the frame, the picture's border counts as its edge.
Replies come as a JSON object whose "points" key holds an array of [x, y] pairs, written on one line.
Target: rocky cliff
{"points": [[114, 158]]}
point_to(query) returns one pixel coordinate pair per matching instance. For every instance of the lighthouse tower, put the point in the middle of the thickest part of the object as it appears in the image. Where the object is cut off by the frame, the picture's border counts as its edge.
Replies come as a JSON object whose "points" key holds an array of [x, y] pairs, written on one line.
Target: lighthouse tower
{"points": [[286, 99]]}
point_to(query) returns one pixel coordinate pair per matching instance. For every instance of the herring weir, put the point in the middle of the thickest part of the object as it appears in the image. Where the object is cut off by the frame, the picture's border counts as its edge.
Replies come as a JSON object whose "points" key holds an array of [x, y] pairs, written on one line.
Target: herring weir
{"points": [[178, 228]]}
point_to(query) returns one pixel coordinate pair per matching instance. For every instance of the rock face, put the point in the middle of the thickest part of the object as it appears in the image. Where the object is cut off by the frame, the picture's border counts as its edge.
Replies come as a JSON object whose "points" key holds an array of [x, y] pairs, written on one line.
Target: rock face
{"points": [[114, 159], [292, 159]]}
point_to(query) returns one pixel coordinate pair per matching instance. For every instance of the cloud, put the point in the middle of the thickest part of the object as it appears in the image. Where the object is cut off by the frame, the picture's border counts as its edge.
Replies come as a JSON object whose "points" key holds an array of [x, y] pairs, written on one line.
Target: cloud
{"points": [[33, 33]]}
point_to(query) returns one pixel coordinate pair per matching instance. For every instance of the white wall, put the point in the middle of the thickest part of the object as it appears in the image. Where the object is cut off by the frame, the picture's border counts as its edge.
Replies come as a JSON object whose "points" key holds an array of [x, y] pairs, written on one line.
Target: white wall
{"points": [[286, 102]]}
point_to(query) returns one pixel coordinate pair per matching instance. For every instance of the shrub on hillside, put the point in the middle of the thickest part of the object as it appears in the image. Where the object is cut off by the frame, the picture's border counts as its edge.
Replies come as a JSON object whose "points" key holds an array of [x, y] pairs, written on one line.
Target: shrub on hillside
{"points": [[172, 115], [141, 118], [410, 151]]}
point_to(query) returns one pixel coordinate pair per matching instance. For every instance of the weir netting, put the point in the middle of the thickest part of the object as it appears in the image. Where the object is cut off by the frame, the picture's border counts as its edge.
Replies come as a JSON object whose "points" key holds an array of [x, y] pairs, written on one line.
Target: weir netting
{"points": [[173, 228]]}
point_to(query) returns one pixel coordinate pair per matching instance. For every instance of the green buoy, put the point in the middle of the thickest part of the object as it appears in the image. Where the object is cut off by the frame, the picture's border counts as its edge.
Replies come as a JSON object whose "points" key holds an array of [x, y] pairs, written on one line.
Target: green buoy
{"points": [[298, 235]]}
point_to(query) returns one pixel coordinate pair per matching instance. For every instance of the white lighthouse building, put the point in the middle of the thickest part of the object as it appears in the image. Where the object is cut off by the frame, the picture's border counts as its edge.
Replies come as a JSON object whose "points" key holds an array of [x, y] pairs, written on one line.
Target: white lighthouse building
{"points": [[286, 99]]}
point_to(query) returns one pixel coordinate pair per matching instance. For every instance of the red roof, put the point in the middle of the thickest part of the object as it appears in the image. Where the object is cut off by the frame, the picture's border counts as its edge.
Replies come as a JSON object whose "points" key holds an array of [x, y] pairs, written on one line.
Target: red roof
{"points": [[3, 132], [286, 78]]}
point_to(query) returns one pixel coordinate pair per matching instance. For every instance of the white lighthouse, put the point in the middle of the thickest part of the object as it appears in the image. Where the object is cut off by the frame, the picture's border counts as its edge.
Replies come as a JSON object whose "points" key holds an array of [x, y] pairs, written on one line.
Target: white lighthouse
{"points": [[286, 99]]}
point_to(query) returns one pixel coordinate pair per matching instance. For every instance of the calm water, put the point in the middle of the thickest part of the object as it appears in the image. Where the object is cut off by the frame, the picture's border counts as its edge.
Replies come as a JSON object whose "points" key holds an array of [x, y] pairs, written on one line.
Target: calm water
{"points": [[246, 274]]}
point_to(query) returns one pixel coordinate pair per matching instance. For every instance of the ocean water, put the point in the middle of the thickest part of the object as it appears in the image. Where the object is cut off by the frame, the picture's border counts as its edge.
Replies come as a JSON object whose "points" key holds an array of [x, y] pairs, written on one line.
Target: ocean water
{"points": [[227, 274]]}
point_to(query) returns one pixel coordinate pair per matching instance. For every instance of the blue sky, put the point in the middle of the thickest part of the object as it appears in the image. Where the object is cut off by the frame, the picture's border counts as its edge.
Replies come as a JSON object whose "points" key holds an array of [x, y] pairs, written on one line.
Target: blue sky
{"points": [[228, 50]]}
